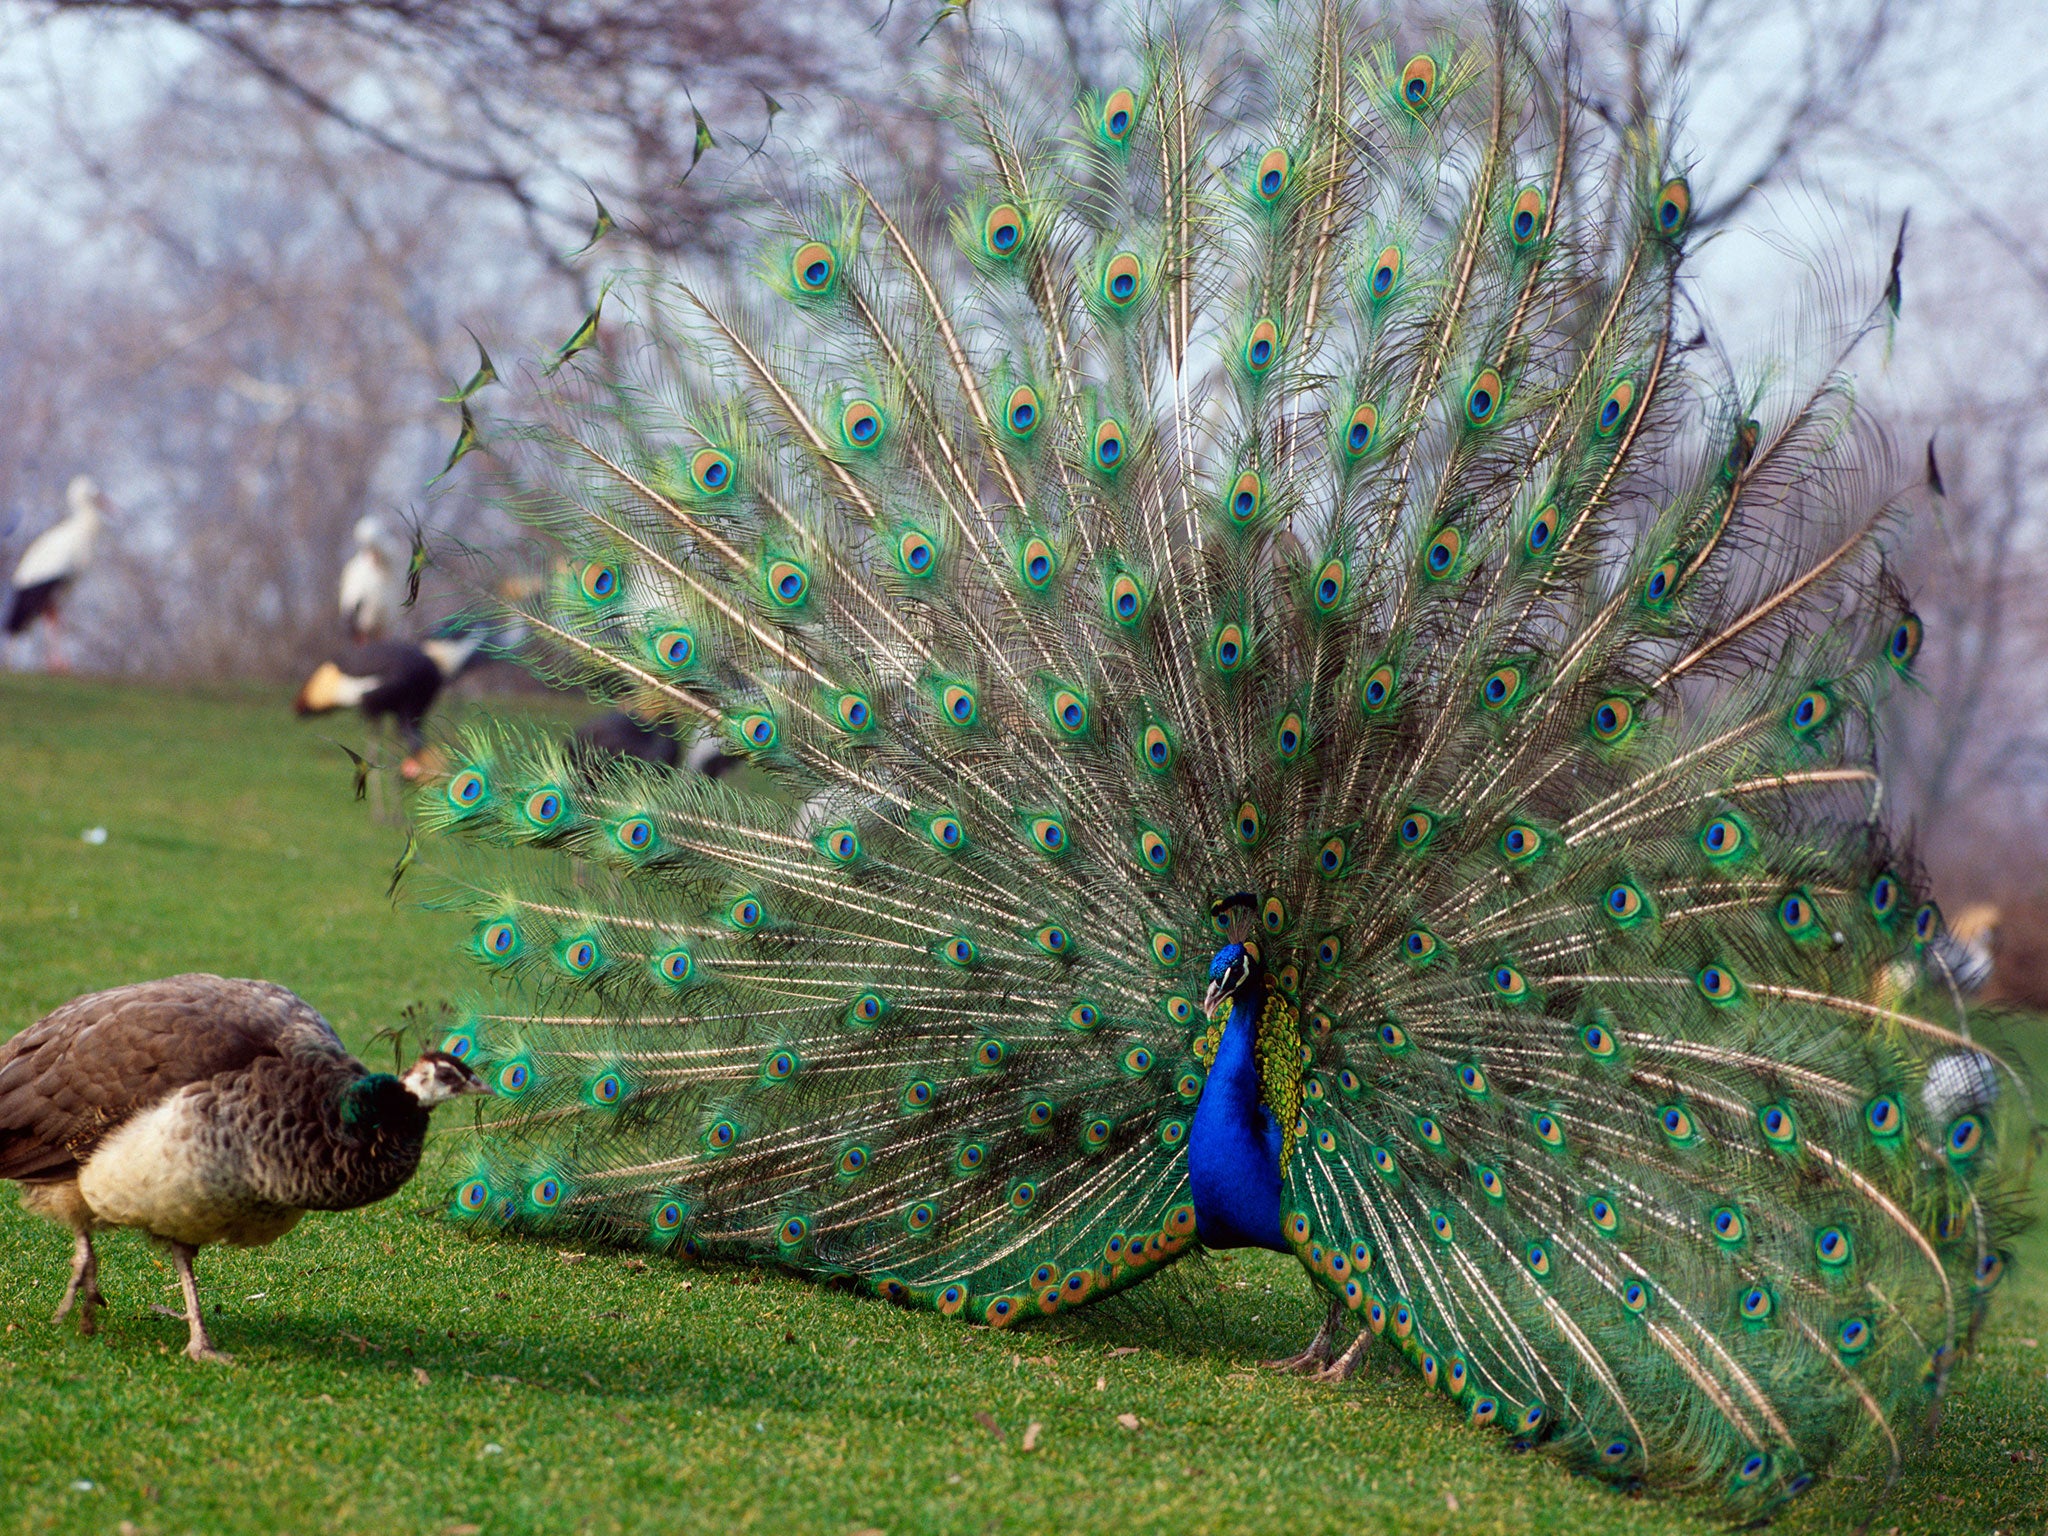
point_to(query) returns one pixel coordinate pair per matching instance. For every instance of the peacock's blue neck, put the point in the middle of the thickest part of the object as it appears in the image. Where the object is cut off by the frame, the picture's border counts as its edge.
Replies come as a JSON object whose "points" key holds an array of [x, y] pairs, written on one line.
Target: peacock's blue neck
{"points": [[1234, 1147]]}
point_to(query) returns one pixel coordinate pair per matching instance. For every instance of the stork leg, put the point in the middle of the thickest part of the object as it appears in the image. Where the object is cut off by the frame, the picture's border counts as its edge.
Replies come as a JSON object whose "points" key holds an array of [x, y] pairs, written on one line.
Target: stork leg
{"points": [[199, 1346], [1320, 1348], [84, 1289], [54, 659]]}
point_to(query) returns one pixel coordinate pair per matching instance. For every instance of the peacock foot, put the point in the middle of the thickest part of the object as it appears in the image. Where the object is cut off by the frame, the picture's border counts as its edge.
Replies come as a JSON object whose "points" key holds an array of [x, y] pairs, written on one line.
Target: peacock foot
{"points": [[1345, 1366], [83, 1293], [1316, 1356]]}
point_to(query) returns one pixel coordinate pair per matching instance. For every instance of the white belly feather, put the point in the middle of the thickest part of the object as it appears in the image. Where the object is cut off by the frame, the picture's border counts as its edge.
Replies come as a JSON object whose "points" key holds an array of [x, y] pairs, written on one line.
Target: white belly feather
{"points": [[165, 1172]]}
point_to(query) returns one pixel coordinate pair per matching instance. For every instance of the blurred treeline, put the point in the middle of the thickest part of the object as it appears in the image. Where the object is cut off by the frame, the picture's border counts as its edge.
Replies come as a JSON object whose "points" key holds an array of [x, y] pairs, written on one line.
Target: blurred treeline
{"points": [[249, 241]]}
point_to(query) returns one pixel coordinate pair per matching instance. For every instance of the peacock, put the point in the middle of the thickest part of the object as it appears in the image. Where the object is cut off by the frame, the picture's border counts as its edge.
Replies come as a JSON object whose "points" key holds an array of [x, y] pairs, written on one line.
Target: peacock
{"points": [[1286, 705]]}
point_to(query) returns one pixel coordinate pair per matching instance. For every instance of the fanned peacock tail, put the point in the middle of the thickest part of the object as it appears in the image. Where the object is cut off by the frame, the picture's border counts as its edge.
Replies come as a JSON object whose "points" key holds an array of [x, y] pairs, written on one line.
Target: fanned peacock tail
{"points": [[1321, 505]]}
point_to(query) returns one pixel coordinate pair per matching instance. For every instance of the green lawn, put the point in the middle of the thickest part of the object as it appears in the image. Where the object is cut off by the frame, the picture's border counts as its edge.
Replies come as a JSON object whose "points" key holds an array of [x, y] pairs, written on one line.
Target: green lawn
{"points": [[394, 1377]]}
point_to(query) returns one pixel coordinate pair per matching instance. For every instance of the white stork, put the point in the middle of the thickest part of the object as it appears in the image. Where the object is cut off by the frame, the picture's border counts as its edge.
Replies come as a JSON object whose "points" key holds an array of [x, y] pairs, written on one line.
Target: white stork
{"points": [[373, 581], [52, 562]]}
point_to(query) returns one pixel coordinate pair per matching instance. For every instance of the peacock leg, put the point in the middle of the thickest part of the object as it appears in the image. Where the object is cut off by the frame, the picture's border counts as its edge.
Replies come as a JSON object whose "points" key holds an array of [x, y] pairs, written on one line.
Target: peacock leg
{"points": [[199, 1346], [84, 1289], [1313, 1359], [1345, 1366]]}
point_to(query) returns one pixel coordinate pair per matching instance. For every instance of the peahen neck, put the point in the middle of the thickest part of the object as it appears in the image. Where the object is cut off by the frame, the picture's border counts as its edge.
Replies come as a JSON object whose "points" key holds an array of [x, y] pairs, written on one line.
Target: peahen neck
{"points": [[1234, 1146]]}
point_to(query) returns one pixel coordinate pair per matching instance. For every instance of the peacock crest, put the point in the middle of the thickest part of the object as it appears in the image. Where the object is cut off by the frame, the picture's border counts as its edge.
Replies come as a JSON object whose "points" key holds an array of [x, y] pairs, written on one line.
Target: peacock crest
{"points": [[1278, 474]]}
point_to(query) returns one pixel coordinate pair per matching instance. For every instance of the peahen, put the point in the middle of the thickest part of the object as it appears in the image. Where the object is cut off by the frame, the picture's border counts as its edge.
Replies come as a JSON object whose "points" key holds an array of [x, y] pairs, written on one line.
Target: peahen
{"points": [[1303, 713]]}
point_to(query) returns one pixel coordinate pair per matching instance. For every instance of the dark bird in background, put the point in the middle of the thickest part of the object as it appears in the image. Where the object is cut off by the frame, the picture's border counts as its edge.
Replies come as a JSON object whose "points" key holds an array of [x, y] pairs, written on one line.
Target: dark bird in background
{"points": [[50, 566], [395, 683], [203, 1110], [374, 580], [619, 734]]}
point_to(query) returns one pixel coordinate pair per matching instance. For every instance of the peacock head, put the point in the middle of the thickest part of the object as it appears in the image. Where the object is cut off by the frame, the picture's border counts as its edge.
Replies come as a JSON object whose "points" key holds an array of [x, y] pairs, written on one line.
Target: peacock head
{"points": [[1237, 967], [438, 1077]]}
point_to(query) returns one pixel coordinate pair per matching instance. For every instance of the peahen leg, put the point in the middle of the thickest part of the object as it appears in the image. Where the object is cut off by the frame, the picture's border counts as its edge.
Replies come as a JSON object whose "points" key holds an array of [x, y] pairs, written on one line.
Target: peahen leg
{"points": [[1312, 1360], [84, 1289], [199, 1346]]}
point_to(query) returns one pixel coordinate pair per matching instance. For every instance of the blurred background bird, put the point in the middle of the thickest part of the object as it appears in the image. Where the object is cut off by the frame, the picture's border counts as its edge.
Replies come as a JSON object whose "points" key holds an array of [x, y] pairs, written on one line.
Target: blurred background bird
{"points": [[373, 580], [51, 565], [202, 1110]]}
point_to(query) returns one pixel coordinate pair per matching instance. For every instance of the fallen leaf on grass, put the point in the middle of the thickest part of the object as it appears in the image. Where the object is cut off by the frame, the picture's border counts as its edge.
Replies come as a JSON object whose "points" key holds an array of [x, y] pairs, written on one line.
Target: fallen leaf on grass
{"points": [[1031, 1435], [419, 1376], [1102, 1383], [465, 1529], [571, 1258], [1129, 1420], [638, 1266], [1040, 1360], [1451, 1502], [1124, 1349], [988, 1422], [868, 1530], [788, 1338], [686, 1285]]}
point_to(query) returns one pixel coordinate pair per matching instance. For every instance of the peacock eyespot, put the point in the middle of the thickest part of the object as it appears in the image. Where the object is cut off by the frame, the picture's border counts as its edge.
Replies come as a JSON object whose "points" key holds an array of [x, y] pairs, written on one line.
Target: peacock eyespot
{"points": [[546, 1193], [1050, 834], [1037, 564], [1440, 559], [1621, 399], [1547, 1129], [1021, 411], [1419, 944], [1246, 495], [1884, 897], [1525, 218], [920, 1216], [916, 553], [1472, 1079], [854, 712], [1418, 81], [1070, 712], [674, 966], [722, 1135], [794, 1231], [473, 1196], [1611, 720], [1053, 939], [1623, 904], [1521, 843], [1503, 686], [1853, 1337], [861, 422], [668, 1216], [788, 583], [745, 913], [499, 940], [1990, 1269], [1757, 1304], [711, 472], [1386, 271], [544, 807], [1126, 599], [1635, 1295], [1038, 1115], [1361, 431], [842, 845], [1542, 529], [1676, 1122], [1415, 829], [1248, 825], [1904, 644], [1598, 1042], [1925, 921], [946, 833], [1154, 853], [1483, 397], [1884, 1117], [1137, 1061], [1109, 446], [598, 582], [1778, 1124], [1002, 232], [1602, 1213], [579, 956], [1834, 1247], [1753, 1466], [959, 704], [989, 1054], [1965, 1136], [1262, 347], [1121, 279], [866, 1009], [1723, 838], [635, 834], [813, 266], [1809, 712], [1119, 112], [1179, 1009], [1674, 207], [467, 789], [918, 1093], [1022, 1193], [1727, 1224], [852, 1161], [779, 1067], [1330, 858], [1379, 688], [1329, 951], [1270, 179], [970, 1157], [1287, 738], [1228, 648], [675, 648], [958, 951]]}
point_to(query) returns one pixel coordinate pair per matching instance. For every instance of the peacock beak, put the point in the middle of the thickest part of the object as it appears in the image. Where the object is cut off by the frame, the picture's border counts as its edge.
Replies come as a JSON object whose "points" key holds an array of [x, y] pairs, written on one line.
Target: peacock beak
{"points": [[1213, 1001]]}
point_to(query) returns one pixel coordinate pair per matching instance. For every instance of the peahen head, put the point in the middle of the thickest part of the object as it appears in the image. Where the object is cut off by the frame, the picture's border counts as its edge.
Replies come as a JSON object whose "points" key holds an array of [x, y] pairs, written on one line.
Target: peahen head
{"points": [[1237, 967], [438, 1077]]}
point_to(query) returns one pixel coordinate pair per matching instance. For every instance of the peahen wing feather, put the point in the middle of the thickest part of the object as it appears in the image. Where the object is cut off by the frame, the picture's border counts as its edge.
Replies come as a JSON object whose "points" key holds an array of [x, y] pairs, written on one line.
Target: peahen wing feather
{"points": [[1320, 505]]}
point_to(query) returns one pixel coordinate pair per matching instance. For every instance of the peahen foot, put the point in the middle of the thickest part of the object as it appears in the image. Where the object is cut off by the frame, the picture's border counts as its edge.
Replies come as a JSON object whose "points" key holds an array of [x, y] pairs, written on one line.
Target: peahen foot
{"points": [[1312, 1360], [84, 1290]]}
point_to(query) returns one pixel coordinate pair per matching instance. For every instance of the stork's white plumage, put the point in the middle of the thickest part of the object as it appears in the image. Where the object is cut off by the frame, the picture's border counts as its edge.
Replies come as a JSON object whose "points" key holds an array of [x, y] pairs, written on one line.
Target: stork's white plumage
{"points": [[373, 581], [53, 561]]}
